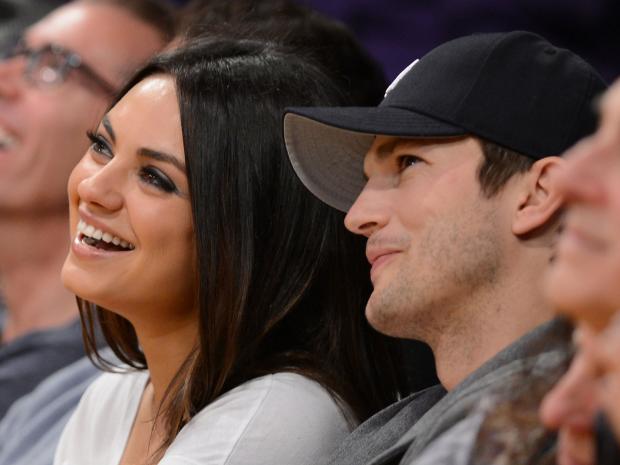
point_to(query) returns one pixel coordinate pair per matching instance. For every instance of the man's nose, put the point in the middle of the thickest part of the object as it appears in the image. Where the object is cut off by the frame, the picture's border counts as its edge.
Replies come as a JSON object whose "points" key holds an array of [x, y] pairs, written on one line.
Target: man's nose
{"points": [[11, 77], [370, 211], [580, 180]]}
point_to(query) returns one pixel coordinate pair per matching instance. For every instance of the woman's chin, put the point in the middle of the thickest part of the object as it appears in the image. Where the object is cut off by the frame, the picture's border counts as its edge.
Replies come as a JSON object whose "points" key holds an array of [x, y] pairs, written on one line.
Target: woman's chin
{"points": [[79, 283], [68, 275]]}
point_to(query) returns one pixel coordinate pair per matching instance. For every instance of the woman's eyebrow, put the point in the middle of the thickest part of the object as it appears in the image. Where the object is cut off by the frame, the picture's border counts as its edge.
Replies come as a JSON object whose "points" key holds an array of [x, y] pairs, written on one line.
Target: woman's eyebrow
{"points": [[161, 156], [108, 127]]}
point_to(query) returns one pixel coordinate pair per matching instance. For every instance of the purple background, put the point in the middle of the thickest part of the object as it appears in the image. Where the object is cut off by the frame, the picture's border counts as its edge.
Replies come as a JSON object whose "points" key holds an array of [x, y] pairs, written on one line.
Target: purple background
{"points": [[398, 31]]}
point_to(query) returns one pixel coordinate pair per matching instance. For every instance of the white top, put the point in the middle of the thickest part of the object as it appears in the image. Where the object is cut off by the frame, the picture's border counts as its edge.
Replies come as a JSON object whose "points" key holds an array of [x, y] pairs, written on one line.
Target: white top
{"points": [[284, 418]]}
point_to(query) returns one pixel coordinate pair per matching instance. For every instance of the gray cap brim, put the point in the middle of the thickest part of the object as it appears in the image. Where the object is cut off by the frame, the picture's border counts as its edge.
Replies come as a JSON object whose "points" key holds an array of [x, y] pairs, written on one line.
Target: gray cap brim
{"points": [[327, 146]]}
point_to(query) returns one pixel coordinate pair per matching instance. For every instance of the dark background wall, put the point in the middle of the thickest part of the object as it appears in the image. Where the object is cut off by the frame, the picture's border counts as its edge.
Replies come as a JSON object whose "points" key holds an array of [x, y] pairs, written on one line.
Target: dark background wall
{"points": [[398, 31]]}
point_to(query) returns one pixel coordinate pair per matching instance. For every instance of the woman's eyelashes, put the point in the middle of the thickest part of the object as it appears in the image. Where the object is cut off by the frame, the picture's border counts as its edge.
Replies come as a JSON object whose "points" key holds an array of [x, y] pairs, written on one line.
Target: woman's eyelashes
{"points": [[99, 144], [149, 175], [154, 177]]}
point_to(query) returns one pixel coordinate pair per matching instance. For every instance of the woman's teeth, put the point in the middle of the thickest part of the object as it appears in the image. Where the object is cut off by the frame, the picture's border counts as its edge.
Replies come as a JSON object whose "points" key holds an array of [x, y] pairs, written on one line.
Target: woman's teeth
{"points": [[97, 234]]}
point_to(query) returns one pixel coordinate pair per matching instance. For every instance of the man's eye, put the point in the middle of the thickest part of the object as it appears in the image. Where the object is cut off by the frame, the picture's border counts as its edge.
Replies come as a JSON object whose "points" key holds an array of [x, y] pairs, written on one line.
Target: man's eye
{"points": [[405, 161], [99, 145]]}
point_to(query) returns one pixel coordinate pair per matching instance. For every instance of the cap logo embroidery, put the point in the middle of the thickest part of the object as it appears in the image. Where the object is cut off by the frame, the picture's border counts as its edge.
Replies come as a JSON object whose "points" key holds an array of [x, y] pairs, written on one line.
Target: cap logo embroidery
{"points": [[399, 77]]}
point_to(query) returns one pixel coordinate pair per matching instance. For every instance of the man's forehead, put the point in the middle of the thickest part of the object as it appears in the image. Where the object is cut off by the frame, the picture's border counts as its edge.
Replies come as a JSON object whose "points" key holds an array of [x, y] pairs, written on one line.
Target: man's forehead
{"points": [[67, 26], [104, 35]]}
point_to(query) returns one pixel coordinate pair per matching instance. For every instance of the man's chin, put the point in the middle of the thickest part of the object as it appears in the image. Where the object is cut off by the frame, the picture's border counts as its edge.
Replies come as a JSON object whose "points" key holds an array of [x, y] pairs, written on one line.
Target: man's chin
{"points": [[383, 319]]}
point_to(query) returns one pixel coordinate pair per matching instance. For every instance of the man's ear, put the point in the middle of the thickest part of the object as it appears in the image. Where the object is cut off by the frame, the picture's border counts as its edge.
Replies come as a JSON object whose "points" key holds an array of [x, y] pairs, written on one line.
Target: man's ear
{"points": [[540, 199]]}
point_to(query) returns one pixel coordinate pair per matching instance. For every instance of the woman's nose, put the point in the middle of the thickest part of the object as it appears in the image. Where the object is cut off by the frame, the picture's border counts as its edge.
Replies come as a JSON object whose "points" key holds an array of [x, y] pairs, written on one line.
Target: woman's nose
{"points": [[101, 190]]}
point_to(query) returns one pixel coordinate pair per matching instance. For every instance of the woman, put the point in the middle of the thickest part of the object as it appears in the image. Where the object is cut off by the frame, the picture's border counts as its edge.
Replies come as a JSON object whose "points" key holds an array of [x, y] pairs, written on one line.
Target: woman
{"points": [[233, 295]]}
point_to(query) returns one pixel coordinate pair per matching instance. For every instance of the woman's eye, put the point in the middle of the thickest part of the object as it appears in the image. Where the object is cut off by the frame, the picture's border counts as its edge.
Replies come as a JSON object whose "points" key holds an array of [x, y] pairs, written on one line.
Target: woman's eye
{"points": [[405, 161], [154, 177], [99, 145]]}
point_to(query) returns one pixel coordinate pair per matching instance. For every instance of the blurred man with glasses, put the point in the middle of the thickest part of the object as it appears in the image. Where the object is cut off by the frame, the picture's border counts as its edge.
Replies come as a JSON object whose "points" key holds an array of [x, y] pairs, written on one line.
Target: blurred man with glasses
{"points": [[55, 84]]}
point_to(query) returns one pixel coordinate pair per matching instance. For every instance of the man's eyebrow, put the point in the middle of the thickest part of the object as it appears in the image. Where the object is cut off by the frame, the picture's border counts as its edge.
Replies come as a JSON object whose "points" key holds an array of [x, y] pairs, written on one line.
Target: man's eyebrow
{"points": [[161, 156], [108, 127], [382, 152], [385, 149]]}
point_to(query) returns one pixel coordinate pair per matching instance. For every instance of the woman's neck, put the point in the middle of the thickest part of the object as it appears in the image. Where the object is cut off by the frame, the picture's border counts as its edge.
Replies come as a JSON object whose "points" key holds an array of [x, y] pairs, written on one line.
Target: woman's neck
{"points": [[166, 347]]}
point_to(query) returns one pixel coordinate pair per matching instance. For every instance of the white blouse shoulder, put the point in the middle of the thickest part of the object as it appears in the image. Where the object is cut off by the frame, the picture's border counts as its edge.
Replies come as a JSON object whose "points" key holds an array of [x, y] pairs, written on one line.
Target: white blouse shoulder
{"points": [[284, 418]]}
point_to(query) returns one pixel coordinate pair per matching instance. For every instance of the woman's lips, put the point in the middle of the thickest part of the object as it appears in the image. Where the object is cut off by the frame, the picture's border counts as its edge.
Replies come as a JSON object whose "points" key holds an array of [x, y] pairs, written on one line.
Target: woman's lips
{"points": [[82, 250]]}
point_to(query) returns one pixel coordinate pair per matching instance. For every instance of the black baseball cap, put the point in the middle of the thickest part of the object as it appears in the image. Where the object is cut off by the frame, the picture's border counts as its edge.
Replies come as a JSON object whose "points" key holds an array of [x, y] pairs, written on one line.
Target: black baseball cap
{"points": [[514, 89]]}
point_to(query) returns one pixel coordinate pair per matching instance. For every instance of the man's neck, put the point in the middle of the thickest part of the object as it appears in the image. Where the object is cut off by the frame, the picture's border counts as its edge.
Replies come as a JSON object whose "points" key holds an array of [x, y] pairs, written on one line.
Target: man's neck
{"points": [[32, 251], [497, 321]]}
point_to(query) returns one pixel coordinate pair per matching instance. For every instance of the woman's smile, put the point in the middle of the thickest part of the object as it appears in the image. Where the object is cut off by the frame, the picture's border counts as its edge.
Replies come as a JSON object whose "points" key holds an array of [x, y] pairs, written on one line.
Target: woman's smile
{"points": [[101, 240], [92, 242], [91, 233]]}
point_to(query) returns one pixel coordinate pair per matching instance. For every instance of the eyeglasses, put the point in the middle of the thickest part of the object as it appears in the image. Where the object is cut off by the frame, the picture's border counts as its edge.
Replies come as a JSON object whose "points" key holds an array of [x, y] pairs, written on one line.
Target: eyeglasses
{"points": [[51, 64]]}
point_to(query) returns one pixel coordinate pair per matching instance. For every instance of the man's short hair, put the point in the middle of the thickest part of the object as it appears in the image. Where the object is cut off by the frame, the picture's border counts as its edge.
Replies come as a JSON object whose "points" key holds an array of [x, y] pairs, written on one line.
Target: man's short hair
{"points": [[498, 166]]}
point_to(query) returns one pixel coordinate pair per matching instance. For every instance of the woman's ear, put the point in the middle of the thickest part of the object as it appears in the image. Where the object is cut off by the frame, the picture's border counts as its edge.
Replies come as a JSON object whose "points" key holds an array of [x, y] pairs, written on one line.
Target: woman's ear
{"points": [[540, 199]]}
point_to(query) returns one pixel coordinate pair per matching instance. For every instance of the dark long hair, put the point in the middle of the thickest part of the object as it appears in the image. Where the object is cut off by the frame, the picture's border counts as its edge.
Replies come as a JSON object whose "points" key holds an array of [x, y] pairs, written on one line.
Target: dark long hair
{"points": [[282, 285], [332, 46]]}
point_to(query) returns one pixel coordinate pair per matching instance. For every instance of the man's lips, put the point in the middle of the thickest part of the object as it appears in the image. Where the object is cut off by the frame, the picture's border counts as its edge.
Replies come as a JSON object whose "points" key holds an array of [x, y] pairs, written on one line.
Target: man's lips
{"points": [[378, 258], [375, 253]]}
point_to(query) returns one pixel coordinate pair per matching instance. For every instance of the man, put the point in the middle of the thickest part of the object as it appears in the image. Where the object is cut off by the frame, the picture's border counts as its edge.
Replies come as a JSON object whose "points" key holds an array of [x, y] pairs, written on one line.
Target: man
{"points": [[53, 88], [583, 284], [449, 179]]}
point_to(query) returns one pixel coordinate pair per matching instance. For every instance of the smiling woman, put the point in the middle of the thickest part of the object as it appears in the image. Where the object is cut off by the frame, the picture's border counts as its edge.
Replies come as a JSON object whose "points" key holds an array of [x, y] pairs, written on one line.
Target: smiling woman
{"points": [[233, 296], [118, 195]]}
